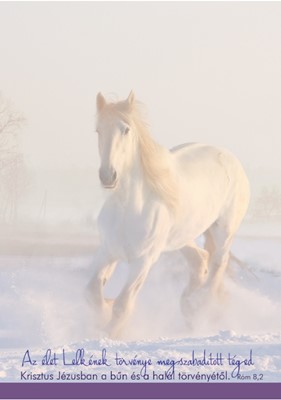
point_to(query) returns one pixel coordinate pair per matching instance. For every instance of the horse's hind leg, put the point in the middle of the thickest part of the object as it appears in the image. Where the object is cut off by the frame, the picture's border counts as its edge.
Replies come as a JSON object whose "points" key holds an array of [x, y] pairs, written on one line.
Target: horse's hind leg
{"points": [[209, 242], [197, 258], [221, 236]]}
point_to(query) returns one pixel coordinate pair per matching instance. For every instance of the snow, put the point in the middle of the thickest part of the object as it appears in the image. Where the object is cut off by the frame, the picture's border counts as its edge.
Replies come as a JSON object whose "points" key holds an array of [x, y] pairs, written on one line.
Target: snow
{"points": [[43, 277]]}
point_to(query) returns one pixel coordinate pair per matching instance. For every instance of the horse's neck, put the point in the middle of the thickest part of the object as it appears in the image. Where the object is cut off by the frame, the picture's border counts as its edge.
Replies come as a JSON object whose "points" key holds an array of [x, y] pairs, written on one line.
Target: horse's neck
{"points": [[132, 188], [151, 173]]}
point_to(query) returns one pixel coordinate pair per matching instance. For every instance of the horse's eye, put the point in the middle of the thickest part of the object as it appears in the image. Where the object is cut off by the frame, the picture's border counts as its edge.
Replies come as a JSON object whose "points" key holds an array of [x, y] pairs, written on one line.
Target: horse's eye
{"points": [[127, 130]]}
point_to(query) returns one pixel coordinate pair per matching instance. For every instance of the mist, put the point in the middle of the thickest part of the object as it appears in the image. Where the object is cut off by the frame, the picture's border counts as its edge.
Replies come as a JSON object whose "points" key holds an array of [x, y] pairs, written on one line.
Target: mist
{"points": [[206, 72]]}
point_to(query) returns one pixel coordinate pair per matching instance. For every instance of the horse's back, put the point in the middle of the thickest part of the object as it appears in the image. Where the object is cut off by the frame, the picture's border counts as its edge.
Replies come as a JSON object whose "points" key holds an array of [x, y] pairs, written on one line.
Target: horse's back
{"points": [[197, 150], [184, 146], [198, 156]]}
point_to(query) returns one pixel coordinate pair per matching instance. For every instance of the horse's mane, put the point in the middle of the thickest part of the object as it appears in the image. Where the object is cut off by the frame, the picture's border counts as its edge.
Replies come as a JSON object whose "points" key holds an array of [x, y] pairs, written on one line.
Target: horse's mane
{"points": [[155, 159]]}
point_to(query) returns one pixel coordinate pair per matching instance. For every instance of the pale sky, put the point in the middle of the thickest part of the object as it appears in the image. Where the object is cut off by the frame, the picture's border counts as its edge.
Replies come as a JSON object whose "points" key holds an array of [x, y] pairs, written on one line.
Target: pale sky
{"points": [[207, 72]]}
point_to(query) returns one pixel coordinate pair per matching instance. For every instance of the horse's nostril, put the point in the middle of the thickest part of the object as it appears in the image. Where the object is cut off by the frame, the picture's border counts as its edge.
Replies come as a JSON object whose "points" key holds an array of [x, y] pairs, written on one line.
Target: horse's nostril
{"points": [[114, 176]]}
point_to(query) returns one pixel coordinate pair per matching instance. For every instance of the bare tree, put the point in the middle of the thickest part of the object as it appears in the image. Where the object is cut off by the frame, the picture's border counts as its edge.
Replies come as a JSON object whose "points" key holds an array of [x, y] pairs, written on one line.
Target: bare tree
{"points": [[11, 159]]}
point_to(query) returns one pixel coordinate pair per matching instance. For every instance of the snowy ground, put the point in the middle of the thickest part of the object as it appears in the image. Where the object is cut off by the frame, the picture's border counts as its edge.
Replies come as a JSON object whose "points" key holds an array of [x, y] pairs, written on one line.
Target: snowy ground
{"points": [[42, 282]]}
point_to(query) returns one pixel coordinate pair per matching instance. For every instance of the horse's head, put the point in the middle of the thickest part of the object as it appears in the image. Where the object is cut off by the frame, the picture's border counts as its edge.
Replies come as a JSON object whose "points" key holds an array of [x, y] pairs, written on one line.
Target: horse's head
{"points": [[115, 138]]}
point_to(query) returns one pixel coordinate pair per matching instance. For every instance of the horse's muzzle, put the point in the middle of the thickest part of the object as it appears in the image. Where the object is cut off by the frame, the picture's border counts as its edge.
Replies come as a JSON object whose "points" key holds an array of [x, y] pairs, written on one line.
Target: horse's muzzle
{"points": [[108, 178]]}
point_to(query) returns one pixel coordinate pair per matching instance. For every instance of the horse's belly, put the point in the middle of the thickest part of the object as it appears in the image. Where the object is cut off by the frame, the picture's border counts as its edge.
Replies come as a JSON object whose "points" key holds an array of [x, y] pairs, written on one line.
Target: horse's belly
{"points": [[129, 235], [197, 215], [186, 232]]}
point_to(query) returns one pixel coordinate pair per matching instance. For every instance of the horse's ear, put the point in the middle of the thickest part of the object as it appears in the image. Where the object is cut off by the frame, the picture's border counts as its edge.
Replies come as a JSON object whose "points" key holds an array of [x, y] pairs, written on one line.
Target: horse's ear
{"points": [[131, 98], [100, 102]]}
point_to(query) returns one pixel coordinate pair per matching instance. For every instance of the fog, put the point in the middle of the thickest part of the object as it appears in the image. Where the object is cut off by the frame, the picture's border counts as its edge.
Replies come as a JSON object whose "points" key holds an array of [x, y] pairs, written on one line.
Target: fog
{"points": [[206, 72]]}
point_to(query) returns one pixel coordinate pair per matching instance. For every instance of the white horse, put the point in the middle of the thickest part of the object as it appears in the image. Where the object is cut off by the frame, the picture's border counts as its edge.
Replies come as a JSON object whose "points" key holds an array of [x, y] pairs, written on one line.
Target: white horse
{"points": [[161, 201]]}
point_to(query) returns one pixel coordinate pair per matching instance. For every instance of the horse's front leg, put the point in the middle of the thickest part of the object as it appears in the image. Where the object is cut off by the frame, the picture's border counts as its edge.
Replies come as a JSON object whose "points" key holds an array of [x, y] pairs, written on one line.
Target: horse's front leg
{"points": [[125, 302], [104, 267]]}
